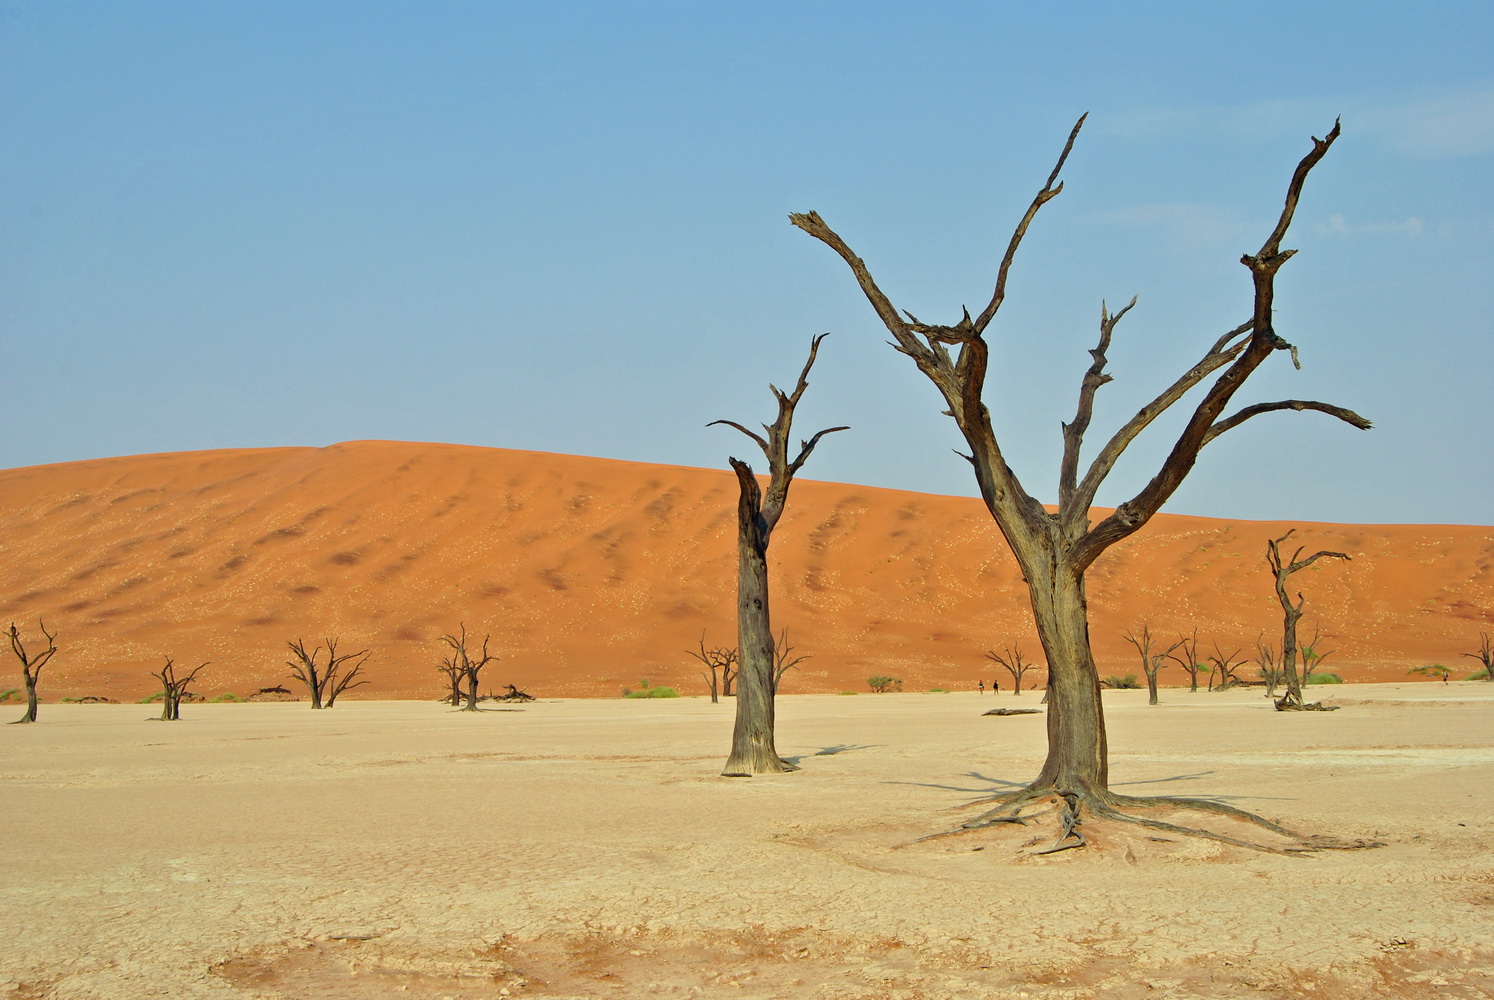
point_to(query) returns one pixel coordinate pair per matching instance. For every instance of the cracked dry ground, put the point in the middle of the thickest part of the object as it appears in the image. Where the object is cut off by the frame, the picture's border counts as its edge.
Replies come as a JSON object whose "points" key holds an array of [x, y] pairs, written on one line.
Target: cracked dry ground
{"points": [[589, 849]]}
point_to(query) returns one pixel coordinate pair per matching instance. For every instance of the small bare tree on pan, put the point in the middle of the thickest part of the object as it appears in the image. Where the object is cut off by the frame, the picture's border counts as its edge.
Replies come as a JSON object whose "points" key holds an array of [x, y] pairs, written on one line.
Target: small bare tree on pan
{"points": [[1282, 570], [1011, 659], [1054, 549], [720, 667], [783, 661], [31, 665], [326, 681], [752, 747], [1268, 665], [1151, 662], [451, 667], [1187, 658], [174, 689], [1222, 668], [1485, 656], [468, 665]]}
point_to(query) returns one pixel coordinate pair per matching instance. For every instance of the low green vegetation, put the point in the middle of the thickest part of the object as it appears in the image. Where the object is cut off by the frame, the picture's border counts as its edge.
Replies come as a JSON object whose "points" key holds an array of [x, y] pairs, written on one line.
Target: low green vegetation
{"points": [[938, 691], [1324, 679], [1436, 670], [881, 683], [1129, 682], [648, 690], [10, 693], [227, 696]]}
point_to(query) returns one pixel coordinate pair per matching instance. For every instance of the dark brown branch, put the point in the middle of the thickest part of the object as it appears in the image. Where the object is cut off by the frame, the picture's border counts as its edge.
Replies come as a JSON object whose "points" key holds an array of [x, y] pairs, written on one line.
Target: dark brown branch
{"points": [[1229, 423], [1073, 432]]}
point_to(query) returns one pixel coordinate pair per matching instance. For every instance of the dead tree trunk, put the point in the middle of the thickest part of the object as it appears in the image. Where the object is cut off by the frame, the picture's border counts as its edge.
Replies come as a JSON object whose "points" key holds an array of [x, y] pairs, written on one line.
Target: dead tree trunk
{"points": [[1151, 662], [31, 666], [752, 747], [466, 666], [326, 683], [718, 658], [1012, 660], [1188, 659], [174, 689], [1281, 570], [1485, 655], [1265, 659], [1222, 667], [1054, 550]]}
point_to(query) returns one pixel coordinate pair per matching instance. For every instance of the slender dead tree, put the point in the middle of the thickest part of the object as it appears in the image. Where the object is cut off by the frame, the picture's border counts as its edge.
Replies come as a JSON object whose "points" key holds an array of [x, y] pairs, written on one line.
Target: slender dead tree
{"points": [[451, 667], [1150, 662], [325, 683], [1222, 667], [467, 665], [1015, 665], [174, 689], [1187, 658], [1266, 662], [752, 748], [1281, 571], [783, 662], [1484, 655], [31, 666], [1055, 549], [718, 659]]}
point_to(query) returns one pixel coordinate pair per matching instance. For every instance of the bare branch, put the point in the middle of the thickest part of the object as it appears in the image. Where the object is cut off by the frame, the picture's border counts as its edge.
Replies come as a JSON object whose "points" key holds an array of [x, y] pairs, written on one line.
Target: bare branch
{"points": [[1229, 423], [1073, 432], [756, 437]]}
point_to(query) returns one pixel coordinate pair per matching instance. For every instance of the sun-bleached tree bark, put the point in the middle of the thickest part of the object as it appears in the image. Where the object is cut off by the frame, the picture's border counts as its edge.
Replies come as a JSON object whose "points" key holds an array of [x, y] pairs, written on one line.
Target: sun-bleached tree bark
{"points": [[1291, 611], [1055, 549], [752, 746], [31, 665]]}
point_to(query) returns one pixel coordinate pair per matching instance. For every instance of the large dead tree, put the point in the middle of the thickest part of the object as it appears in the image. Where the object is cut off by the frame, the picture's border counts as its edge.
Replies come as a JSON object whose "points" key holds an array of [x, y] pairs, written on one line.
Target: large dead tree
{"points": [[1291, 611], [1055, 549], [1485, 655], [465, 666], [31, 665], [326, 681], [1151, 662], [174, 688], [752, 748]]}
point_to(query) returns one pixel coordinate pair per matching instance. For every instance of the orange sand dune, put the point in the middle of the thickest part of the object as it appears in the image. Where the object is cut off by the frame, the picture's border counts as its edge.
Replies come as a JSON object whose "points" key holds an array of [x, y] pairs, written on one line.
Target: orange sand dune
{"points": [[591, 574]]}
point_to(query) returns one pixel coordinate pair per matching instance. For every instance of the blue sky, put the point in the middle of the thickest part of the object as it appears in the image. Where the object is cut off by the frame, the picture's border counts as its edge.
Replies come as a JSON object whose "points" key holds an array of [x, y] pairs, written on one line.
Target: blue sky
{"points": [[563, 227]]}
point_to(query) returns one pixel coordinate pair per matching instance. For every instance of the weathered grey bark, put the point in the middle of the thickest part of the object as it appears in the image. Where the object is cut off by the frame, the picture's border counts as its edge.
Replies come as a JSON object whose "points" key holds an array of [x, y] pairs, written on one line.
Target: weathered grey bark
{"points": [[1053, 550], [1151, 662], [31, 666], [326, 683], [1015, 665], [1291, 611], [466, 665], [752, 743], [174, 689]]}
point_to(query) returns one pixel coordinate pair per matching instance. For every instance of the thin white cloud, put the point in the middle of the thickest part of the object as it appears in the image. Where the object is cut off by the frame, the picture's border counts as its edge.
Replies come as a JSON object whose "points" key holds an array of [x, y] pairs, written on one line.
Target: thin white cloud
{"points": [[1453, 122], [1338, 225]]}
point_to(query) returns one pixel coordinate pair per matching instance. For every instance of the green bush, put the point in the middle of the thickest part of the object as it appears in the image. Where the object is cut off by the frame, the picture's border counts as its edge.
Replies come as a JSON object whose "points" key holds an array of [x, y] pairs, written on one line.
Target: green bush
{"points": [[881, 683], [1128, 682], [10, 693], [227, 696], [653, 692], [938, 691], [1325, 679], [152, 699], [848, 692]]}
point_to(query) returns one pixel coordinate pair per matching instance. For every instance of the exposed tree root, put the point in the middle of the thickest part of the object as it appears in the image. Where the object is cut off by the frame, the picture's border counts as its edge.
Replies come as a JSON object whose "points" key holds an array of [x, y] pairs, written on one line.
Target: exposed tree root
{"points": [[1075, 804], [1286, 703]]}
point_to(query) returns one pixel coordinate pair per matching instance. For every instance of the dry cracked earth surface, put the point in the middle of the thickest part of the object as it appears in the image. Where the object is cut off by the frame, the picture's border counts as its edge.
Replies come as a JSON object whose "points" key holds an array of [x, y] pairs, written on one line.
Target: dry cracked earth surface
{"points": [[589, 849]]}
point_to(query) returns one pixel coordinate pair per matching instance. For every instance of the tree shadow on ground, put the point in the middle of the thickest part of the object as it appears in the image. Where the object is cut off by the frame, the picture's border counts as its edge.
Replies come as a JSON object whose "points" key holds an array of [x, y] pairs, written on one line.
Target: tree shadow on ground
{"points": [[831, 751]]}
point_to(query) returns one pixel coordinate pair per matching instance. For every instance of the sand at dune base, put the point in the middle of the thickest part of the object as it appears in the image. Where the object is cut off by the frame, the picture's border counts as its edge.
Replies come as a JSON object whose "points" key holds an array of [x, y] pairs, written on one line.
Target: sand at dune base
{"points": [[588, 848]]}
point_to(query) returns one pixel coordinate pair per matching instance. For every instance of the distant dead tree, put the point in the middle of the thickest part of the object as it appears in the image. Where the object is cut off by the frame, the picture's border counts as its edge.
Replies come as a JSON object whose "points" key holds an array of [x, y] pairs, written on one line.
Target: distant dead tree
{"points": [[1151, 662], [1054, 549], [1484, 656], [31, 665], [1011, 659], [1267, 663], [467, 665], [752, 747], [451, 666], [174, 689], [1281, 571], [1222, 668], [325, 683], [783, 662], [718, 659], [1187, 658]]}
